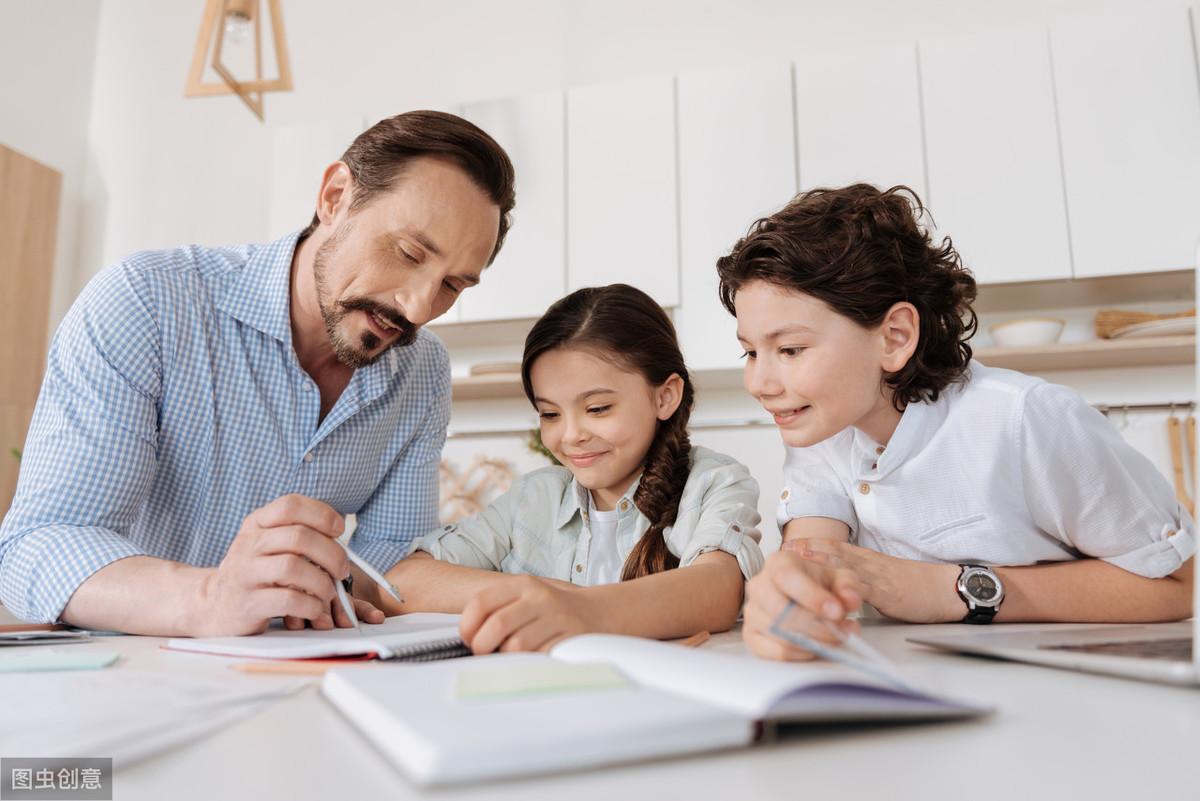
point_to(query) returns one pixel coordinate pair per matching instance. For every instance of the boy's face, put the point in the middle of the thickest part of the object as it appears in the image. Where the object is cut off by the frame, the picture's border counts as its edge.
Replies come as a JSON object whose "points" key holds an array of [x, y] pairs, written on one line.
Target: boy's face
{"points": [[597, 419], [815, 370]]}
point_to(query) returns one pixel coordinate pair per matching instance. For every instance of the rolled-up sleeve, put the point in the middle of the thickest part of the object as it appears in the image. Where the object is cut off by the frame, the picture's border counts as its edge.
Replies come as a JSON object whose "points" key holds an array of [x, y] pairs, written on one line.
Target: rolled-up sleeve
{"points": [[719, 514], [482, 541], [91, 453], [811, 489], [1087, 487]]}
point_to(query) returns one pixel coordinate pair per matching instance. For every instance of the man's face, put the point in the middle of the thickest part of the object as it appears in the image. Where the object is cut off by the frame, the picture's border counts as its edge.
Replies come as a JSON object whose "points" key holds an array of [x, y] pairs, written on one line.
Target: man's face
{"points": [[401, 260]]}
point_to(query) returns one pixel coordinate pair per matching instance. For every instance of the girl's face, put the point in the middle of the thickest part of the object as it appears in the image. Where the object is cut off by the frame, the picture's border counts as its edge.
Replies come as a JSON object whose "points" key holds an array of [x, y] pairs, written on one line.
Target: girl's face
{"points": [[599, 419], [816, 371]]}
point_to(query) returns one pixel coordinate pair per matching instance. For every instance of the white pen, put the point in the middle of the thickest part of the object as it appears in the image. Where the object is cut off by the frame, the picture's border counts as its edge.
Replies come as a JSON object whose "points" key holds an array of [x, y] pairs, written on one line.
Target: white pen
{"points": [[373, 574], [346, 603]]}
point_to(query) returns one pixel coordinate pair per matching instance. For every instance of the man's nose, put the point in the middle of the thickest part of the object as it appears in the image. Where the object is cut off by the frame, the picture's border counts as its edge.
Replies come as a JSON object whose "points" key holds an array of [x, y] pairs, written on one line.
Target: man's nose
{"points": [[417, 299]]}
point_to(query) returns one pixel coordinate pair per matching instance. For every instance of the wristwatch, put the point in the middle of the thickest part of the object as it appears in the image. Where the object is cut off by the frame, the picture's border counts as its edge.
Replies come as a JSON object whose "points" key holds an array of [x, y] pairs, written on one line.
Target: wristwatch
{"points": [[982, 592]]}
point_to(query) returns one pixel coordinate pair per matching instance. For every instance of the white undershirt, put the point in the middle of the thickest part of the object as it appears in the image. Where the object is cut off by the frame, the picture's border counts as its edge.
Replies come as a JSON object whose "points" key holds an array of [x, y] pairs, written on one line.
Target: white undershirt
{"points": [[604, 562]]}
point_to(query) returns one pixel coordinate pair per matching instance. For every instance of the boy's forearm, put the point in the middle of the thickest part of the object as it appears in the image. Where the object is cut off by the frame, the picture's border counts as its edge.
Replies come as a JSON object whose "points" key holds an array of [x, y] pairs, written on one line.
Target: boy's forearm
{"points": [[427, 585], [1091, 591], [705, 596]]}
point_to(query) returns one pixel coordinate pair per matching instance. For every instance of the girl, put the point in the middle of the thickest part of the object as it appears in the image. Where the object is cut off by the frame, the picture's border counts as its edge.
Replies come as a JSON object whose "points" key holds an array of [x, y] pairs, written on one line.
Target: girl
{"points": [[593, 546], [969, 493]]}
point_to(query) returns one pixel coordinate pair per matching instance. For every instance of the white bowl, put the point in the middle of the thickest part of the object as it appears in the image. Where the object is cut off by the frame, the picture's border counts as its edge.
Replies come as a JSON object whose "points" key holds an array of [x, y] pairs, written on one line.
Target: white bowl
{"points": [[1027, 332]]}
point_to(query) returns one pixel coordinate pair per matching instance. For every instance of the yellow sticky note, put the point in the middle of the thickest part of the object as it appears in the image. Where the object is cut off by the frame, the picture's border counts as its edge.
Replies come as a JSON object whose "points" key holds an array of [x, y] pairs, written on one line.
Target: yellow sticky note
{"points": [[509, 681]]}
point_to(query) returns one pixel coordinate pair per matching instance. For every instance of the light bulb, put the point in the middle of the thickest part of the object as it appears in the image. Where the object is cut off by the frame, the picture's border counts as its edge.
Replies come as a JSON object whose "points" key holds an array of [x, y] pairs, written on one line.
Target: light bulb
{"points": [[237, 27]]}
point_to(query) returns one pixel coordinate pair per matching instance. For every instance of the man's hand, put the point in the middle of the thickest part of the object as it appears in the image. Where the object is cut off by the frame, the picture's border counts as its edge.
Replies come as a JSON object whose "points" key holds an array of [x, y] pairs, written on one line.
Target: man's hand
{"points": [[525, 614], [821, 594], [282, 563], [903, 589]]}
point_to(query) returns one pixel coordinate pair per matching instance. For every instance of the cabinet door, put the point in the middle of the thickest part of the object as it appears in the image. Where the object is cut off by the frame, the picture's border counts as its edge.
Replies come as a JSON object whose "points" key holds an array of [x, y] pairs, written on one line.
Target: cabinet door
{"points": [[995, 177], [736, 164], [1129, 112], [621, 187], [530, 271], [858, 117]]}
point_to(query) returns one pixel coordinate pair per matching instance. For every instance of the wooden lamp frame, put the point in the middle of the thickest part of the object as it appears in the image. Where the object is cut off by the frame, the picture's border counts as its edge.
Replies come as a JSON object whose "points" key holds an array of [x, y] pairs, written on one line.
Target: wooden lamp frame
{"points": [[251, 92]]}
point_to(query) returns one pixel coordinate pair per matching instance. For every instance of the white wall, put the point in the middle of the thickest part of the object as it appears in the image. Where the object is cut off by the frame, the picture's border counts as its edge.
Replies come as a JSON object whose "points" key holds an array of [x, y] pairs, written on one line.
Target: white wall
{"points": [[47, 48]]}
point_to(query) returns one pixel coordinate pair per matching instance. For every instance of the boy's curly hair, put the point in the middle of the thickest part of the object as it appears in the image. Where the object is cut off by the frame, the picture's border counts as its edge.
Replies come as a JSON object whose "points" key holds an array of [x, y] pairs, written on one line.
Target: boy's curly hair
{"points": [[861, 250]]}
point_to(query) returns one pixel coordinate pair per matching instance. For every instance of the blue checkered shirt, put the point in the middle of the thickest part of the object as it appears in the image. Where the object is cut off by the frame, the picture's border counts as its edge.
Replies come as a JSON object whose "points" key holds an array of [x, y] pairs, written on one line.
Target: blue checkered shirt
{"points": [[174, 405]]}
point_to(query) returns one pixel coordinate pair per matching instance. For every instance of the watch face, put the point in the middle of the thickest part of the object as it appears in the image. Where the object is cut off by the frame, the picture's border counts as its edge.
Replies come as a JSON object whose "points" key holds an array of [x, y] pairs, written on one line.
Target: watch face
{"points": [[981, 586]]}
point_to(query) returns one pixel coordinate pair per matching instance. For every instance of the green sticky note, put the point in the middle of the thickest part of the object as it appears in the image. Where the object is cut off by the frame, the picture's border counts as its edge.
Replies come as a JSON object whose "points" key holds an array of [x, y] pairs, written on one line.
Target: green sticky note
{"points": [[43, 660], [512, 681]]}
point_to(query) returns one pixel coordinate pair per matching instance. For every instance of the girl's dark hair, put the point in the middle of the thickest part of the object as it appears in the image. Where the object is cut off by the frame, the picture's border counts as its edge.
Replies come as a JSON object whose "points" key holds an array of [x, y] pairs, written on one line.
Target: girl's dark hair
{"points": [[625, 326], [861, 250], [378, 155]]}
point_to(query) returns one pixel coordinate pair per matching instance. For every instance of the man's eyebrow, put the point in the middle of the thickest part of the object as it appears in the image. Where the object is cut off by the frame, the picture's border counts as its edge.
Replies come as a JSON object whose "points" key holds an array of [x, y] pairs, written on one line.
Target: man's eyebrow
{"points": [[424, 241]]}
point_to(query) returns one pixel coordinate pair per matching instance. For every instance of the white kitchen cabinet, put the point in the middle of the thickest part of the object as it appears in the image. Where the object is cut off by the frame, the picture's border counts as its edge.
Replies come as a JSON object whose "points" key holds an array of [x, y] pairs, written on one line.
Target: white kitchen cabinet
{"points": [[1129, 115], [737, 163], [530, 271], [622, 221], [995, 177], [858, 117]]}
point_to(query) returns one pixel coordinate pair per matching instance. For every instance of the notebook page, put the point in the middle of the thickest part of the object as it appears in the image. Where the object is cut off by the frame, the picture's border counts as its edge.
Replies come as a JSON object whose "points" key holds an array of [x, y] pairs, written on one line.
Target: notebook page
{"points": [[741, 683], [393, 634]]}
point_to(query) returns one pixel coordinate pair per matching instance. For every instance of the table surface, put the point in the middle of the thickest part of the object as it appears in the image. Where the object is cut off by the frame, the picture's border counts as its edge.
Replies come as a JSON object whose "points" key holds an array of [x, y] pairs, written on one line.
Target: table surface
{"points": [[1054, 733]]}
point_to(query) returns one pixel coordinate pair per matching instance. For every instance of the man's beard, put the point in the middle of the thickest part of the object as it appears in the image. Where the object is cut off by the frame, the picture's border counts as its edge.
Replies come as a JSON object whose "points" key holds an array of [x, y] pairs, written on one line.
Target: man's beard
{"points": [[362, 353]]}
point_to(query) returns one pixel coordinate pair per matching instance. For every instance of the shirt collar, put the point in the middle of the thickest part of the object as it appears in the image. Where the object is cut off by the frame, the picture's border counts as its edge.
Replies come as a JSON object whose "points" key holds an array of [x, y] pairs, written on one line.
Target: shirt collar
{"points": [[917, 424], [260, 293], [575, 500], [260, 296]]}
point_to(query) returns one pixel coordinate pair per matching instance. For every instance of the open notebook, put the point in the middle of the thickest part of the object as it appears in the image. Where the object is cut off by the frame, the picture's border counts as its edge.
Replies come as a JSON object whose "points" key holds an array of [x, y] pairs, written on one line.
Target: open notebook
{"points": [[668, 700], [418, 637]]}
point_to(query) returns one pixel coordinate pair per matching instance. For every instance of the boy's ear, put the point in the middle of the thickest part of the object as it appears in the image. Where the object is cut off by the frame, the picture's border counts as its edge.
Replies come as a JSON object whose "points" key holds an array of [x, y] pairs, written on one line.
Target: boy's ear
{"points": [[667, 396], [337, 187], [901, 331]]}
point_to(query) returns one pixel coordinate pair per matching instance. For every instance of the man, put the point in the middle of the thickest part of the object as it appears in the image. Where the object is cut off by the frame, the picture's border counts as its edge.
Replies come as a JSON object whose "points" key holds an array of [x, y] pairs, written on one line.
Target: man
{"points": [[209, 415]]}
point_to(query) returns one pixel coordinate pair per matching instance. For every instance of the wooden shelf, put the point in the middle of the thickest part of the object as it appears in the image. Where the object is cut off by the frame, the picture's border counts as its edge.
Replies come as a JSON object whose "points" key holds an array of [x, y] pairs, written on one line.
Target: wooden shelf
{"points": [[1100, 353]]}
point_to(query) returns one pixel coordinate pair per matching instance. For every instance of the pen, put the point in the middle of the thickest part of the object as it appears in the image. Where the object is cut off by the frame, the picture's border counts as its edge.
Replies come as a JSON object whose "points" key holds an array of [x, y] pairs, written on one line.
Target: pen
{"points": [[372, 573], [346, 603], [862, 657]]}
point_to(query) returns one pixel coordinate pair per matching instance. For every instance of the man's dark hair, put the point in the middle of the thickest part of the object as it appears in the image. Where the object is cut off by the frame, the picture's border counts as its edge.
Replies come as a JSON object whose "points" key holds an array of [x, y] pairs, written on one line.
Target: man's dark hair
{"points": [[378, 156]]}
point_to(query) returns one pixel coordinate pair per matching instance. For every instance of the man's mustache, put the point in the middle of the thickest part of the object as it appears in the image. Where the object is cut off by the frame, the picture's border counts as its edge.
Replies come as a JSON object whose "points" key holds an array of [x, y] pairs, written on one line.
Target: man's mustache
{"points": [[379, 310]]}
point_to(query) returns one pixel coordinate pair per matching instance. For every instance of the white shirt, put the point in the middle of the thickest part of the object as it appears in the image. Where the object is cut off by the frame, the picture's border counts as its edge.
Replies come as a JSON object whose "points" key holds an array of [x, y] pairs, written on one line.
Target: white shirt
{"points": [[604, 561], [1004, 469]]}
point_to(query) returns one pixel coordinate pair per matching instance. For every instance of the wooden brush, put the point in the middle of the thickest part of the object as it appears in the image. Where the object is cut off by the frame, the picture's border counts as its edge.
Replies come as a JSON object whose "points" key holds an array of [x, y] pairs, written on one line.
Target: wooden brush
{"points": [[1109, 321]]}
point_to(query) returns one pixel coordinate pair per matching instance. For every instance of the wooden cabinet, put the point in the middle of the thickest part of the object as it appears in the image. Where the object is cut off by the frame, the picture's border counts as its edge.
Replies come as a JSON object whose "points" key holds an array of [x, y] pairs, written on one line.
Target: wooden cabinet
{"points": [[1129, 114], [858, 117], [622, 222], [736, 164], [995, 177], [530, 272], [29, 199]]}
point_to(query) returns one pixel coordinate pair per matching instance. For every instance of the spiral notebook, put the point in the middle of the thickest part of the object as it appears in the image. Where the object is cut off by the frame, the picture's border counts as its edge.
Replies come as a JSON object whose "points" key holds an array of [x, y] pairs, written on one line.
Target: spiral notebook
{"points": [[418, 637]]}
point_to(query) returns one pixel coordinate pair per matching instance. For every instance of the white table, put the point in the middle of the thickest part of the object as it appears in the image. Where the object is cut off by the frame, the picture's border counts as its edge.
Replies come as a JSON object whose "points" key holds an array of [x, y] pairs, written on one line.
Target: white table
{"points": [[1055, 734]]}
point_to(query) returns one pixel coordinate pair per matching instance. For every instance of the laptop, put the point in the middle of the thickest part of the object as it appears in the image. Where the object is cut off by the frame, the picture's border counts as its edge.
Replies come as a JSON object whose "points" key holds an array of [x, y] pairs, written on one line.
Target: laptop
{"points": [[1161, 652]]}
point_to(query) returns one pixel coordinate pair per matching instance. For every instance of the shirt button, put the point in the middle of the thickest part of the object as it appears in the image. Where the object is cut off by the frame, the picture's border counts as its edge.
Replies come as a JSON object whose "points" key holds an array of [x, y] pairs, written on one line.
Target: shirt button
{"points": [[736, 527], [308, 457], [307, 386], [875, 466], [879, 451], [578, 568], [864, 488], [624, 506], [783, 496]]}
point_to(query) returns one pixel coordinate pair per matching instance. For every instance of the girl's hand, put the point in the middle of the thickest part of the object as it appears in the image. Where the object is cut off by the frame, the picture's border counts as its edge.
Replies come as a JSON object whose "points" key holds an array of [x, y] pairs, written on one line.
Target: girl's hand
{"points": [[902, 589], [821, 594], [525, 614]]}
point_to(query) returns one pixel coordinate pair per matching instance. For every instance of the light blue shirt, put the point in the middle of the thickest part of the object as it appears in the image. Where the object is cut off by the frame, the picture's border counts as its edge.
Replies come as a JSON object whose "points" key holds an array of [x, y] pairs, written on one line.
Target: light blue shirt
{"points": [[540, 526], [174, 405]]}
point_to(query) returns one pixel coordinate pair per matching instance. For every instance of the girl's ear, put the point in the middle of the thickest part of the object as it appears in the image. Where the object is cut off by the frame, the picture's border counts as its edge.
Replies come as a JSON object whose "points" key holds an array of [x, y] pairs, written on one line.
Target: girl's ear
{"points": [[901, 331], [667, 396]]}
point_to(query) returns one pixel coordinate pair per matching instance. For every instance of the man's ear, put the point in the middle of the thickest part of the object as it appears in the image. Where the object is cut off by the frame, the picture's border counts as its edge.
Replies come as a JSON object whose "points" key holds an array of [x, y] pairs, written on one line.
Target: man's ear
{"points": [[900, 332], [337, 189], [667, 396]]}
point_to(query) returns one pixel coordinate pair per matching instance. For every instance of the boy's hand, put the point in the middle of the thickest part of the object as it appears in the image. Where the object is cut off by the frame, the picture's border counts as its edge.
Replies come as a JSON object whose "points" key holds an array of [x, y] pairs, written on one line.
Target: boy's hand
{"points": [[820, 593], [903, 589], [525, 614]]}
